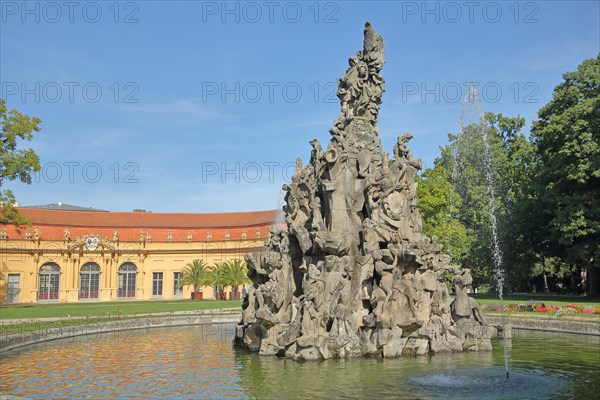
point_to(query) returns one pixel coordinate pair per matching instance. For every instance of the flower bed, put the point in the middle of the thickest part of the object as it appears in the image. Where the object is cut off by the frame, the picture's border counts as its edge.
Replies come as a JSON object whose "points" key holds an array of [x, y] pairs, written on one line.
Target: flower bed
{"points": [[538, 307]]}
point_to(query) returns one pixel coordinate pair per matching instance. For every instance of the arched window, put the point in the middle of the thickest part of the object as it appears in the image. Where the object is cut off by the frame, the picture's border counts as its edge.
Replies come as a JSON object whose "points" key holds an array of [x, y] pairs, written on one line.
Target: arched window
{"points": [[49, 284], [127, 279], [89, 285]]}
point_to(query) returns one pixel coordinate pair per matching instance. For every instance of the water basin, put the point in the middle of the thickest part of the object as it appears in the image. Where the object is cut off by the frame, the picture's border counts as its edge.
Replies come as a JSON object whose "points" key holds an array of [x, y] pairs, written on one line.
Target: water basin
{"points": [[199, 362]]}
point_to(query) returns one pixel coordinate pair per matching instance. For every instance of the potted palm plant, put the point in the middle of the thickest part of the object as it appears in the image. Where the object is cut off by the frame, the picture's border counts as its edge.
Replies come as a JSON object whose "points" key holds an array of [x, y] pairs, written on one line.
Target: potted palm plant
{"points": [[236, 274], [196, 274], [218, 279]]}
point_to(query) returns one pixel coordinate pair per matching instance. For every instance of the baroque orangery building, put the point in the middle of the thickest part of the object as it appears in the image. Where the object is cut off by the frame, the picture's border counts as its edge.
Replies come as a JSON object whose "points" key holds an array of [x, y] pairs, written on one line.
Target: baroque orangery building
{"points": [[71, 254]]}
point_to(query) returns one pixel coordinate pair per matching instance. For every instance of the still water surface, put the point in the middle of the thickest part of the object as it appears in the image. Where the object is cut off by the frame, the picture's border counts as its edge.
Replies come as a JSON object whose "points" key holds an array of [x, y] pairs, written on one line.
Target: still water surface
{"points": [[199, 362]]}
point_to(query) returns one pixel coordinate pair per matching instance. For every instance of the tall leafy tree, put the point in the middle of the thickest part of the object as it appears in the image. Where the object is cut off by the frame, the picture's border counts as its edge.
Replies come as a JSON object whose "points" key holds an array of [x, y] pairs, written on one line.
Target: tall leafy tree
{"points": [[518, 217], [461, 213], [465, 155], [473, 188], [15, 163], [439, 205], [567, 139]]}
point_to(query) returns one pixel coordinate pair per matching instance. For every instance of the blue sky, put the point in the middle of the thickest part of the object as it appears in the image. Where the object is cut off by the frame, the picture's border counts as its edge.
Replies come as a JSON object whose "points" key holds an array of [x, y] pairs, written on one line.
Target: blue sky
{"points": [[192, 106]]}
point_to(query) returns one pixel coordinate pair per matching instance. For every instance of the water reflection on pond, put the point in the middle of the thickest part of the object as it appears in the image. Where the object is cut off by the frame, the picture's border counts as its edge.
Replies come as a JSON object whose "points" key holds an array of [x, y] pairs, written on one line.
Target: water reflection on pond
{"points": [[198, 361]]}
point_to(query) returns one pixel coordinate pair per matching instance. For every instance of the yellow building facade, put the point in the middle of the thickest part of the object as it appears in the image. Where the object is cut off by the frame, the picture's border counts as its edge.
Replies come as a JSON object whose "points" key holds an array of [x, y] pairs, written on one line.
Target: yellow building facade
{"points": [[72, 256]]}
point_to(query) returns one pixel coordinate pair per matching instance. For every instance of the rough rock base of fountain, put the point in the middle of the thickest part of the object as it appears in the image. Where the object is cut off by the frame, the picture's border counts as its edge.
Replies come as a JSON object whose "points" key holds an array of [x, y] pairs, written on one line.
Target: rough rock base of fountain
{"points": [[352, 274]]}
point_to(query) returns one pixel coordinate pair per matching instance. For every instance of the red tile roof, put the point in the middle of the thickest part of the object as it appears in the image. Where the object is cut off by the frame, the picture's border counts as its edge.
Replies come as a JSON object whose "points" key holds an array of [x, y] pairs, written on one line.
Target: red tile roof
{"points": [[161, 227], [145, 220]]}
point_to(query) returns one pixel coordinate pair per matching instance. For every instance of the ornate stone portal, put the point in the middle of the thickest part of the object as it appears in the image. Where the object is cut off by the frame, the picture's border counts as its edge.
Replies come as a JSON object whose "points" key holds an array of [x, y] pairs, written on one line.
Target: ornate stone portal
{"points": [[352, 274]]}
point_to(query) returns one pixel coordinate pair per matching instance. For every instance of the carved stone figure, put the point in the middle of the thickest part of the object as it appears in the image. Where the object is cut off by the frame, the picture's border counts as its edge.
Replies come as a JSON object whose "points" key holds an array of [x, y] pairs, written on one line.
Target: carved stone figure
{"points": [[463, 306], [115, 235], [352, 273], [67, 234]]}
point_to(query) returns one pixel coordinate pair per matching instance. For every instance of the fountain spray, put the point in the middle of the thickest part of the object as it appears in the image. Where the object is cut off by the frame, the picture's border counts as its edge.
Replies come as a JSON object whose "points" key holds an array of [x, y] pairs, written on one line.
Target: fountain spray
{"points": [[472, 99]]}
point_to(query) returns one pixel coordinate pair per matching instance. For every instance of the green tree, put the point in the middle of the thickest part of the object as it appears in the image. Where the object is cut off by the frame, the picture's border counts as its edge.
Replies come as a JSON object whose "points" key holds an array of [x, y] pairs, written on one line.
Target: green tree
{"points": [[16, 164], [462, 166], [518, 218], [196, 274], [567, 140], [465, 157], [439, 204]]}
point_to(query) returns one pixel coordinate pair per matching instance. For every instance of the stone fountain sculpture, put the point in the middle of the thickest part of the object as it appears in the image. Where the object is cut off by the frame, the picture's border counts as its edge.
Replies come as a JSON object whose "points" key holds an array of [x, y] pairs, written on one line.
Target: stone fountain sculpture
{"points": [[352, 274]]}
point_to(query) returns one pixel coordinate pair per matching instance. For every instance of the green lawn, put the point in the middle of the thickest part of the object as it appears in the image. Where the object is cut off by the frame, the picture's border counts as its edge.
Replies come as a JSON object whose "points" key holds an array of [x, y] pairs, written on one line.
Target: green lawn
{"points": [[99, 312], [146, 307], [109, 308], [548, 300]]}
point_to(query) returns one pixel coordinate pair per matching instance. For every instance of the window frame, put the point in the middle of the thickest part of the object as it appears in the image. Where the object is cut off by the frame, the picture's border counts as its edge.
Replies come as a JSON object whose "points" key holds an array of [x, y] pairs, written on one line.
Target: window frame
{"points": [[49, 279], [124, 277], [157, 285], [177, 289], [93, 282]]}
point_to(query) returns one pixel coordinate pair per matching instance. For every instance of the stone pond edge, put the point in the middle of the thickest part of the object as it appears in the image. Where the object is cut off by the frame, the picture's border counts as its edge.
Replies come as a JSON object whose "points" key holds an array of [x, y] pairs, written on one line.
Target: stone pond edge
{"points": [[14, 341], [547, 325], [17, 340]]}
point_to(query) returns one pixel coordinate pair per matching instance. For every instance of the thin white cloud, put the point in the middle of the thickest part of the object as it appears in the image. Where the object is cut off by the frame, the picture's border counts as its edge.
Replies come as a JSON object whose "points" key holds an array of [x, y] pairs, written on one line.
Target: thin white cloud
{"points": [[190, 107]]}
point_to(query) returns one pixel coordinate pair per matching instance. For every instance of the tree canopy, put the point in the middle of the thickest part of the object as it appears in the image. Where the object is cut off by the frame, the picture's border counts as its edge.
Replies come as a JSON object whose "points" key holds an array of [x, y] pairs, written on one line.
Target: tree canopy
{"points": [[567, 186], [454, 196], [15, 163], [547, 192], [439, 204]]}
